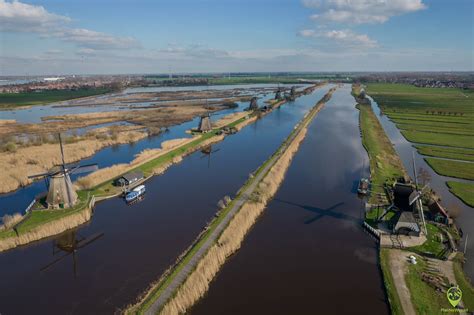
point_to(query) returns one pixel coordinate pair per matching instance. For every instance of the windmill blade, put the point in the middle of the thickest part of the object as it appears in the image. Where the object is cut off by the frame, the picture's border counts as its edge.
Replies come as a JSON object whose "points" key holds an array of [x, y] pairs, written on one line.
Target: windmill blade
{"points": [[40, 175], [62, 151], [89, 240], [84, 169], [54, 262]]}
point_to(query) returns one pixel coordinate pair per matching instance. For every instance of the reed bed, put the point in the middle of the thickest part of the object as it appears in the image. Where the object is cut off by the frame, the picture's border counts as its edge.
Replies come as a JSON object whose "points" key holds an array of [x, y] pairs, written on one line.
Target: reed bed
{"points": [[229, 119], [231, 239], [113, 171], [45, 230], [16, 166]]}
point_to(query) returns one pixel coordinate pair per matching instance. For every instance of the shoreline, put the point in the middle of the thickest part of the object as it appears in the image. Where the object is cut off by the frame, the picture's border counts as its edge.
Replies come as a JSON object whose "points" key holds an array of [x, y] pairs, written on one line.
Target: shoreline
{"points": [[223, 236], [155, 165]]}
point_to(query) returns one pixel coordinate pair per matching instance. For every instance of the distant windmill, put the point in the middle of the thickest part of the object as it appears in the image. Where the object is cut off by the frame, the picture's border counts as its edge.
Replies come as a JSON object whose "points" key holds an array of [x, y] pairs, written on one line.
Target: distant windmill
{"points": [[415, 197], [205, 123], [207, 151], [253, 104], [61, 192], [70, 244]]}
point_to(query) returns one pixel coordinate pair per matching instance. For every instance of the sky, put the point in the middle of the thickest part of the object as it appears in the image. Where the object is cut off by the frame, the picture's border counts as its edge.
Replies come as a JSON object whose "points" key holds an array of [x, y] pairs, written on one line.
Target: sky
{"points": [[176, 36]]}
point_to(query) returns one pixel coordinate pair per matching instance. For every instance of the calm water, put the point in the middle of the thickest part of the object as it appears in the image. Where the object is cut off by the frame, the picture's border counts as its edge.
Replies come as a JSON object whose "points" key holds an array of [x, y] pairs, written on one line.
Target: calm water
{"points": [[307, 254], [438, 183], [142, 240], [34, 113], [18, 200]]}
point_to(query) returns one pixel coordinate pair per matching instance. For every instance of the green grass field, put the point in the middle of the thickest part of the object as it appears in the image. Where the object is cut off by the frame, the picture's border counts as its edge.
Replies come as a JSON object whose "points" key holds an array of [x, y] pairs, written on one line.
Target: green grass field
{"points": [[464, 191], [452, 168], [464, 284], [11, 100], [425, 298], [433, 245], [445, 152], [436, 116]]}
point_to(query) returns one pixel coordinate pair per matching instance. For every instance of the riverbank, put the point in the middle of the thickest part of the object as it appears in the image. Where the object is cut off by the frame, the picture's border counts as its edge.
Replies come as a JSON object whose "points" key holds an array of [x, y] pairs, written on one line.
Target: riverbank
{"points": [[150, 164], [224, 234], [411, 289]]}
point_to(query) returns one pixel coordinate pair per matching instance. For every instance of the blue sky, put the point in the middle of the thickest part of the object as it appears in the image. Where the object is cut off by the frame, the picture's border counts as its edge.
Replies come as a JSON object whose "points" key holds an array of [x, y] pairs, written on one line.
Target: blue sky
{"points": [[66, 37]]}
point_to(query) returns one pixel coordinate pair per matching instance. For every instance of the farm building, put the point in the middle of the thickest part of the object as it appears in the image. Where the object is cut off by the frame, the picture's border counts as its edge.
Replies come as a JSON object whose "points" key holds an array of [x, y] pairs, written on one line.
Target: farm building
{"points": [[129, 178]]}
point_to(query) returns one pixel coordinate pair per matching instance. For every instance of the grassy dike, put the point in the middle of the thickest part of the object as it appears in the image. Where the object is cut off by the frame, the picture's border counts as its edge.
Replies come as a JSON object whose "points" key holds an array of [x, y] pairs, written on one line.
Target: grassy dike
{"points": [[40, 224], [223, 236], [384, 164]]}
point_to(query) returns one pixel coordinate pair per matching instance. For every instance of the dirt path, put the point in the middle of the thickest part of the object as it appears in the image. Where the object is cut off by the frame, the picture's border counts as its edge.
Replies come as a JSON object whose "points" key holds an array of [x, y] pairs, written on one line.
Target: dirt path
{"points": [[399, 268]]}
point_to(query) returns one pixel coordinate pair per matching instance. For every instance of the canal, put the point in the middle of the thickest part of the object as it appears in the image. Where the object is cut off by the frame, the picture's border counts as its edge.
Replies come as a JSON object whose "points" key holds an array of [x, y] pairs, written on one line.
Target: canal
{"points": [[308, 254], [18, 200], [437, 182], [140, 241]]}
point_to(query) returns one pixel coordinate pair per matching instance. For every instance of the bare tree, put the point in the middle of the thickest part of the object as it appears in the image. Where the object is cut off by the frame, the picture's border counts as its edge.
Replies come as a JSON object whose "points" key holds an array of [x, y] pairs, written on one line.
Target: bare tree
{"points": [[424, 177]]}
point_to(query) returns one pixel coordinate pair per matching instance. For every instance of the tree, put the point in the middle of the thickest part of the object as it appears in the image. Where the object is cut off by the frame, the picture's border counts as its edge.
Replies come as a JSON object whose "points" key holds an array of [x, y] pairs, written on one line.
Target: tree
{"points": [[424, 177]]}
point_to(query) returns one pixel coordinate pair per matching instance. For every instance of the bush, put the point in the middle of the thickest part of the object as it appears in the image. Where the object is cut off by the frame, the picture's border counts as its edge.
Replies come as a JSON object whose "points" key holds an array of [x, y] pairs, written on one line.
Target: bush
{"points": [[10, 147]]}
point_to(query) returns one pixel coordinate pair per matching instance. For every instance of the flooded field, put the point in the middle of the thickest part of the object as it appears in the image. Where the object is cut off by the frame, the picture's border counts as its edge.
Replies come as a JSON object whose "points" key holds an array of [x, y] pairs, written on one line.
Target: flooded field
{"points": [[18, 200], [101, 103], [308, 253], [140, 241]]}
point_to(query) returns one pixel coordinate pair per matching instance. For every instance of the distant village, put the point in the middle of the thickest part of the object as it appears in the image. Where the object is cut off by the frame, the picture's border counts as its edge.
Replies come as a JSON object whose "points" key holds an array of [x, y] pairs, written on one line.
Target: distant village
{"points": [[463, 80], [64, 83]]}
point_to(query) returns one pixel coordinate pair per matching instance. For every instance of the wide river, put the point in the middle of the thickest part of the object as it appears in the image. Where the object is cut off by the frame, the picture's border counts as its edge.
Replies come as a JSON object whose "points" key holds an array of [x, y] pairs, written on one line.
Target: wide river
{"points": [[142, 240], [308, 254]]}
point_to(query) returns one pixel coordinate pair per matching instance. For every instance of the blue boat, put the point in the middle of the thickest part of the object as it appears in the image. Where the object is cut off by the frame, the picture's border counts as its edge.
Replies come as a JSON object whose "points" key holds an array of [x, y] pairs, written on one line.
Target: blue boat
{"points": [[135, 193]]}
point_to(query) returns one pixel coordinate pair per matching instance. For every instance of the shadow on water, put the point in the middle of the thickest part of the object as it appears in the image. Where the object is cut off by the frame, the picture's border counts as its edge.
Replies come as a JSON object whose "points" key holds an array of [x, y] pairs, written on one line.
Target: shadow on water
{"points": [[323, 212]]}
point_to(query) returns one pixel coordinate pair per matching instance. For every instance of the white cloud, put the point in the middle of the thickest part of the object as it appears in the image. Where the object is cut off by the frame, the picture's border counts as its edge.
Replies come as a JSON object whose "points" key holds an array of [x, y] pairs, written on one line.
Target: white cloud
{"points": [[362, 11], [21, 17], [96, 40], [346, 38]]}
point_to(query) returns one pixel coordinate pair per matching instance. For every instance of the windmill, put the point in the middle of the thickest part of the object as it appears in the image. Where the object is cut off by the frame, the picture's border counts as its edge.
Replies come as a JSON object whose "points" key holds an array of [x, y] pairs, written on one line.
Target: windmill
{"points": [[205, 123], [70, 244], [253, 104], [278, 96], [207, 151], [415, 197], [61, 193]]}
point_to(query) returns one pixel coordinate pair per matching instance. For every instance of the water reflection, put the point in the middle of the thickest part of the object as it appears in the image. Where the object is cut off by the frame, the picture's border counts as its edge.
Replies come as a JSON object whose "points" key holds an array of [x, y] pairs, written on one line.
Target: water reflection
{"points": [[69, 244]]}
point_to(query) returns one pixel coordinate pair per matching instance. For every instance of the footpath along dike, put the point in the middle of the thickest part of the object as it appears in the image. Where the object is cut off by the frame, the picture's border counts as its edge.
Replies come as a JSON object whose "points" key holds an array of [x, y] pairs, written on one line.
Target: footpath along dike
{"points": [[40, 224], [188, 280]]}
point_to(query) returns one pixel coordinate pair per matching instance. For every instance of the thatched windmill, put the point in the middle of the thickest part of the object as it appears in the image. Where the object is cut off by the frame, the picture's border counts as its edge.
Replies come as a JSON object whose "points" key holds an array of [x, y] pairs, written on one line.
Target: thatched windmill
{"points": [[205, 123], [61, 192], [253, 104]]}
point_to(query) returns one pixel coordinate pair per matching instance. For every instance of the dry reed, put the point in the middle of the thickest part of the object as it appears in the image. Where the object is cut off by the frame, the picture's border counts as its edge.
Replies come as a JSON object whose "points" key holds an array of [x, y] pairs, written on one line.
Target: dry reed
{"points": [[230, 240], [45, 230], [16, 166]]}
